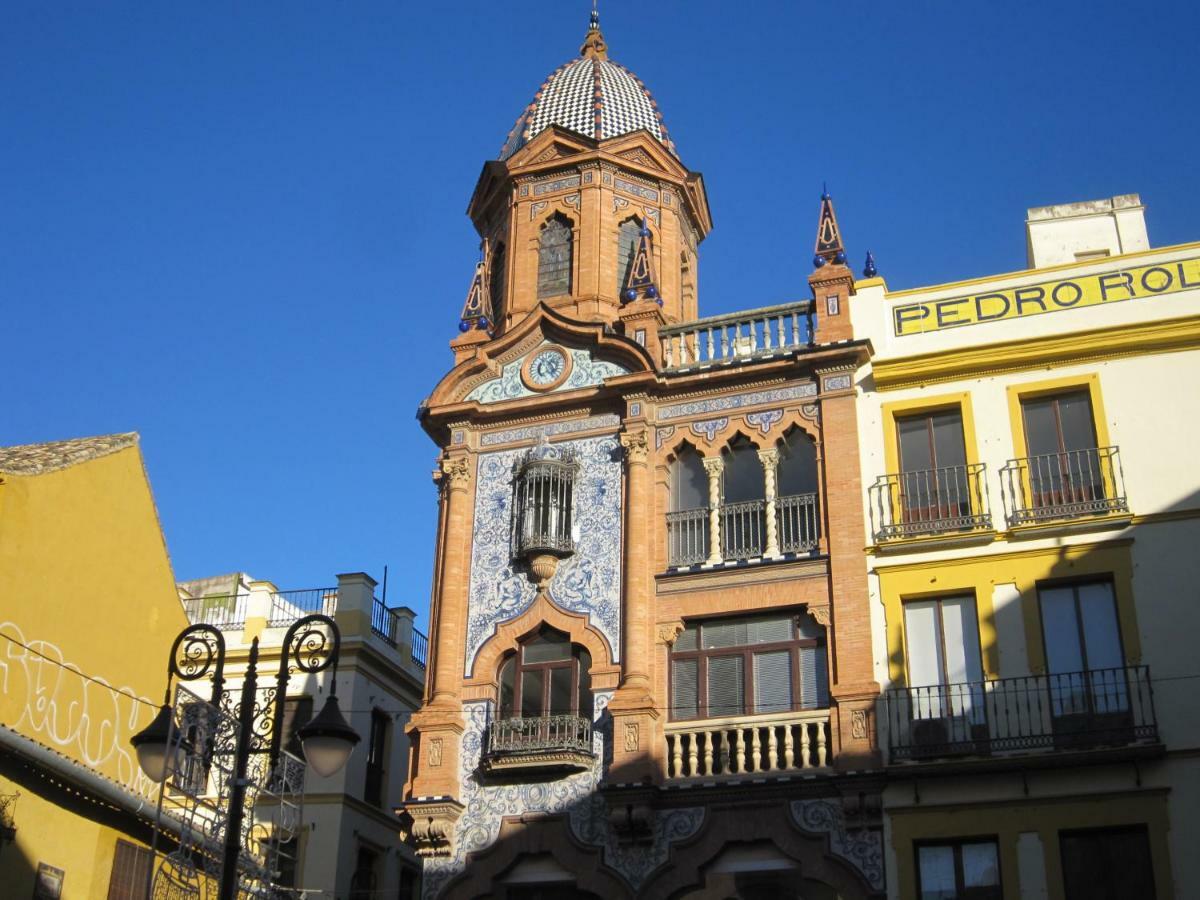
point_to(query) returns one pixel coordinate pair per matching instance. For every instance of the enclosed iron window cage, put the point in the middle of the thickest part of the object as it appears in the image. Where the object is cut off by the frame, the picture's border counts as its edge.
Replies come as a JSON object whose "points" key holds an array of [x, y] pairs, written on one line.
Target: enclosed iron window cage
{"points": [[543, 497]]}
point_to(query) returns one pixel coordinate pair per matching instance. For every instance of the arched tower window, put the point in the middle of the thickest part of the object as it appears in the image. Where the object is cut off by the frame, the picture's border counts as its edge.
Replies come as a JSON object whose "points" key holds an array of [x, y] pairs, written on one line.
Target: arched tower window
{"points": [[497, 281], [797, 508], [555, 249], [627, 241], [546, 676], [688, 519], [743, 512]]}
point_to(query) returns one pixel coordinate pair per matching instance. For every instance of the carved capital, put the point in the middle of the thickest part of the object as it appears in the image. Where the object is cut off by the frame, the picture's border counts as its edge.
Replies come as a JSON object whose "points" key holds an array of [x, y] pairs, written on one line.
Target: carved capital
{"points": [[669, 632], [637, 446], [456, 473], [714, 466], [769, 458], [429, 826]]}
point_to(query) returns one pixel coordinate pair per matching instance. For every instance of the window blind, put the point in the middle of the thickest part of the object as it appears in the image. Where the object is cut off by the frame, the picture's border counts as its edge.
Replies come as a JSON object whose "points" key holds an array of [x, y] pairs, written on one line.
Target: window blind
{"points": [[773, 681], [726, 686], [814, 678], [684, 688]]}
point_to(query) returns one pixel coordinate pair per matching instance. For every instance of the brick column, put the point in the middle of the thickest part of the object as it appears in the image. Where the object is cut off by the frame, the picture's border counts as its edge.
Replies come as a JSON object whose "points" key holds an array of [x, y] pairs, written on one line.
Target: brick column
{"points": [[770, 462], [714, 466]]}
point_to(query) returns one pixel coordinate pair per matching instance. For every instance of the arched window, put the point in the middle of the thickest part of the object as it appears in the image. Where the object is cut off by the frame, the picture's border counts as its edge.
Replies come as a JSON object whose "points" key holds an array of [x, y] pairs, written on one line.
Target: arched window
{"points": [[496, 283], [743, 511], [555, 247], [687, 286], [627, 241], [687, 521], [796, 506], [546, 676]]}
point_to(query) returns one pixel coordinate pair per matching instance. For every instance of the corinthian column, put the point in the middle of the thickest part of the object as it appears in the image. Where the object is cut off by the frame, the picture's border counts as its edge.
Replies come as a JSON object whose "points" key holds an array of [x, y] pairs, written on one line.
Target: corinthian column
{"points": [[714, 466], [770, 462], [447, 628]]}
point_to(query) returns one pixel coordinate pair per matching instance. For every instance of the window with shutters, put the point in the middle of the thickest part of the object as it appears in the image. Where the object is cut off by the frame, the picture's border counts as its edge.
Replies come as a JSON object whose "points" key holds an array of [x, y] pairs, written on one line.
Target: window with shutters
{"points": [[749, 665], [130, 872], [555, 248]]}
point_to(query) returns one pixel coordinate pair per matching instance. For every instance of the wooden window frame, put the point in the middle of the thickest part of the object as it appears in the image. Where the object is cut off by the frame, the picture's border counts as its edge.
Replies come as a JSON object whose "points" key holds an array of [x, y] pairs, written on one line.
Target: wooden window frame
{"points": [[520, 667], [956, 844], [1075, 584]]}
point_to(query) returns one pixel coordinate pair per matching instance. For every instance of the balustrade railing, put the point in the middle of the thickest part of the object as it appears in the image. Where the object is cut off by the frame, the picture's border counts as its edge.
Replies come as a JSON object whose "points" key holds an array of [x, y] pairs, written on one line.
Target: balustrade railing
{"points": [[743, 527], [929, 501], [798, 517], [539, 733], [753, 333], [1067, 485], [384, 622], [420, 648], [1069, 711], [748, 745], [288, 606], [687, 537], [226, 612]]}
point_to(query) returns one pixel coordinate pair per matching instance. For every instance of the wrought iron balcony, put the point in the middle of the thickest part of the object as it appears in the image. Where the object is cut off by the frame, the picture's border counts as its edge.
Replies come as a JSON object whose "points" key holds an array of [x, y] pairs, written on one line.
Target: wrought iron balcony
{"points": [[1012, 716], [782, 743], [541, 742], [752, 334], [1061, 486], [743, 530], [288, 606], [924, 502], [798, 517], [687, 537]]}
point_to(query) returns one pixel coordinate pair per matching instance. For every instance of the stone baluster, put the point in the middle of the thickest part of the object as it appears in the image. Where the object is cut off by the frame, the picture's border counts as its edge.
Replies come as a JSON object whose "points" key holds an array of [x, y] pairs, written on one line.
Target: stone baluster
{"points": [[668, 351], [821, 744], [755, 750], [795, 329], [677, 754], [805, 747], [770, 464], [693, 753], [766, 327], [741, 750], [789, 755], [714, 466], [726, 763], [772, 748], [782, 335], [710, 343], [724, 342], [708, 753]]}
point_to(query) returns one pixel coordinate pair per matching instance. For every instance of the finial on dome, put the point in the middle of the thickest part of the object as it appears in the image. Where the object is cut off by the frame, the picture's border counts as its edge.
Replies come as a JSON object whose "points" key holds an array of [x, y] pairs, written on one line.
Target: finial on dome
{"points": [[594, 46]]}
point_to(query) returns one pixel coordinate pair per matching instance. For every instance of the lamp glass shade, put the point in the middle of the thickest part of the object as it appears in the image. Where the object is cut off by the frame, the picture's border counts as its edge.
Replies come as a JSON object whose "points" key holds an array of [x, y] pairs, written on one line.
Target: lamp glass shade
{"points": [[151, 746], [327, 740]]}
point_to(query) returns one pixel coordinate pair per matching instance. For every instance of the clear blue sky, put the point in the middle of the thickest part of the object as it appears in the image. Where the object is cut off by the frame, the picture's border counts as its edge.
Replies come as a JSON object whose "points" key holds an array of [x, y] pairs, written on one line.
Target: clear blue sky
{"points": [[239, 229]]}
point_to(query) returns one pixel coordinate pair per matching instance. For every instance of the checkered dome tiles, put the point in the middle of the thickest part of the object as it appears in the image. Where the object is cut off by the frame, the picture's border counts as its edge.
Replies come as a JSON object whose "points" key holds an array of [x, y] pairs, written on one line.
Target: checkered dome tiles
{"points": [[593, 97]]}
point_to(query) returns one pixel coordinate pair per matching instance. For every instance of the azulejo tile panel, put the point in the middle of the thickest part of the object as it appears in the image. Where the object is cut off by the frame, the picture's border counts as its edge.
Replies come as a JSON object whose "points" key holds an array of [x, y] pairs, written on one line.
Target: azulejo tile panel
{"points": [[585, 372], [573, 796], [533, 432], [737, 401], [862, 848], [588, 581]]}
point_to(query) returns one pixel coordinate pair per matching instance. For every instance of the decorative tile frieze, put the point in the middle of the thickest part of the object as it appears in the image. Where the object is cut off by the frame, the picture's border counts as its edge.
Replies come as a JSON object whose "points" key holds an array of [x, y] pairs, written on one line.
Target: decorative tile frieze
{"points": [[619, 203], [661, 435], [630, 187], [862, 848], [535, 208], [585, 372], [837, 382], [558, 184], [571, 200], [737, 401], [709, 427], [764, 421], [550, 429], [587, 582], [652, 214]]}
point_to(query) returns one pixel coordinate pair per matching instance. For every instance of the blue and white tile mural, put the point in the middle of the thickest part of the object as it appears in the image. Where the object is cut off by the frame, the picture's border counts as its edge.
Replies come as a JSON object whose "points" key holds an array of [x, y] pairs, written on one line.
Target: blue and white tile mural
{"points": [[588, 581], [585, 372], [574, 796]]}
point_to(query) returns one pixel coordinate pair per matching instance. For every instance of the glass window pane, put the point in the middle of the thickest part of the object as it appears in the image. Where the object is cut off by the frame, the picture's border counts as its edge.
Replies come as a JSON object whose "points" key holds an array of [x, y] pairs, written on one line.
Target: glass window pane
{"points": [[924, 647], [726, 686], [586, 708], [773, 681], [743, 474], [561, 680], [1075, 416], [961, 640], [683, 688], [546, 647], [936, 870], [1100, 633], [1041, 429], [948, 445], [769, 631], [981, 865], [689, 482], [627, 241], [797, 473], [814, 678], [915, 452], [725, 633], [508, 672], [1063, 653], [532, 683], [688, 638]]}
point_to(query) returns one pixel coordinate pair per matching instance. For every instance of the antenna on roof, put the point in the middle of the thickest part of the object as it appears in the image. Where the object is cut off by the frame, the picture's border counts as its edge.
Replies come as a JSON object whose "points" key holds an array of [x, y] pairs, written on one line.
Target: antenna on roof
{"points": [[385, 585]]}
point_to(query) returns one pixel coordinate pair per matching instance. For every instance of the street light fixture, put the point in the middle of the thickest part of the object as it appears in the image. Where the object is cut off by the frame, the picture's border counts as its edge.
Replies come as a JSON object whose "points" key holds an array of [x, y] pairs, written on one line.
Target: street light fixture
{"points": [[327, 740]]}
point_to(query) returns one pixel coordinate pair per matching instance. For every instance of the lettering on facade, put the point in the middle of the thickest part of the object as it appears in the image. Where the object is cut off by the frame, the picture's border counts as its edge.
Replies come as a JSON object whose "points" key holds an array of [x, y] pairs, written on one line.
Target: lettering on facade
{"points": [[1140, 283]]}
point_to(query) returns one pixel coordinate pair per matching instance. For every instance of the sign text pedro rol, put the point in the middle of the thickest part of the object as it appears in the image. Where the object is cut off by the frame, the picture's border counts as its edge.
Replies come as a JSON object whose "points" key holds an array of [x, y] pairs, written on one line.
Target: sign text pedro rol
{"points": [[1137, 283]]}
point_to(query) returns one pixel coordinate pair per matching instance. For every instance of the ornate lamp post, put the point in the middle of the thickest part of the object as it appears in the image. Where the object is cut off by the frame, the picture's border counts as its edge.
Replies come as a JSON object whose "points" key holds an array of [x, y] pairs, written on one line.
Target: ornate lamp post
{"points": [[327, 740]]}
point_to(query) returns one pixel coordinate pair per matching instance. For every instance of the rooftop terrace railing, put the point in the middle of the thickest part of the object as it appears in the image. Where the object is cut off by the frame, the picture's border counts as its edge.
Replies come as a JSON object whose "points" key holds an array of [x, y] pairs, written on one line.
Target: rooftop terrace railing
{"points": [[750, 334], [226, 612], [288, 606], [420, 648]]}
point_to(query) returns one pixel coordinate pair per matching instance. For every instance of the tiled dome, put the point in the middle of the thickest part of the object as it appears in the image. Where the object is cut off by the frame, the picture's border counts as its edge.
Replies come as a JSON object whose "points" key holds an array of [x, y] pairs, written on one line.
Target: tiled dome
{"points": [[592, 96]]}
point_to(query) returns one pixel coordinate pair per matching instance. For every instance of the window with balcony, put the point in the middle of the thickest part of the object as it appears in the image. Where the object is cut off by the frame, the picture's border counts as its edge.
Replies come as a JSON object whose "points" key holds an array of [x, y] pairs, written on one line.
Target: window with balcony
{"points": [[1066, 474], [945, 674], [373, 788], [1107, 863], [959, 870], [555, 251], [743, 501], [545, 706], [796, 506], [688, 518]]}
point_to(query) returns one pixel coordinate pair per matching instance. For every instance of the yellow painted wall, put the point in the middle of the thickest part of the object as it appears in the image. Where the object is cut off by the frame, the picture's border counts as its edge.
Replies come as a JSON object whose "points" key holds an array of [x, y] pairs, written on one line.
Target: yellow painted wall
{"points": [[84, 579]]}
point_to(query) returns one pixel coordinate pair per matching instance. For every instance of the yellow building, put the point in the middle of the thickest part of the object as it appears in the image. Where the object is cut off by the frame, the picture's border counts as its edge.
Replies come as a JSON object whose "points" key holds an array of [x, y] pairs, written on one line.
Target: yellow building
{"points": [[88, 610], [1033, 515]]}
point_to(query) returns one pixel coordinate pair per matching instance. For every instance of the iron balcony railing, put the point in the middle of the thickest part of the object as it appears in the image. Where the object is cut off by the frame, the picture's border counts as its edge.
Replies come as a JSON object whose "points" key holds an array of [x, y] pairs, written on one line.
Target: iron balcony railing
{"points": [[929, 501], [540, 734], [753, 333], [743, 530], [288, 606], [797, 518], [420, 648], [1069, 711], [384, 622], [1068, 485], [226, 612]]}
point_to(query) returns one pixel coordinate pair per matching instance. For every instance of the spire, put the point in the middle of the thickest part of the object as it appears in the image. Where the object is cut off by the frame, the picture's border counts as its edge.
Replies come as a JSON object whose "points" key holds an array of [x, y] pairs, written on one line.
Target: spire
{"points": [[594, 46], [640, 282], [869, 269], [477, 311], [829, 237]]}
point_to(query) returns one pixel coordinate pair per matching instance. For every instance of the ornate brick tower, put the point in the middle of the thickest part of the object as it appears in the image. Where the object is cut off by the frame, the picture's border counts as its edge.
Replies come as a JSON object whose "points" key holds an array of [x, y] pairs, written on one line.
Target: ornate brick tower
{"points": [[650, 637]]}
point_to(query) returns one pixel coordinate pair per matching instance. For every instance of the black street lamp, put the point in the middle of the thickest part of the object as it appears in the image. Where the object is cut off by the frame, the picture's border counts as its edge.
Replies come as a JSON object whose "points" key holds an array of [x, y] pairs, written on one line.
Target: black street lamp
{"points": [[327, 740]]}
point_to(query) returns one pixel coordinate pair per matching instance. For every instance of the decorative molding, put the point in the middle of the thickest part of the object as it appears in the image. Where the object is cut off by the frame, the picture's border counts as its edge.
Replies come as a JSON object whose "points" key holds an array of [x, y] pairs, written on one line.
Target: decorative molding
{"points": [[587, 582], [619, 203], [457, 472], [435, 752], [837, 383], [669, 633], [737, 401], [661, 435], [533, 432], [584, 372], [571, 200], [710, 427], [558, 184], [811, 411], [653, 215], [432, 828], [535, 208], [764, 420], [858, 724], [632, 737], [861, 848], [629, 187], [636, 445], [820, 614]]}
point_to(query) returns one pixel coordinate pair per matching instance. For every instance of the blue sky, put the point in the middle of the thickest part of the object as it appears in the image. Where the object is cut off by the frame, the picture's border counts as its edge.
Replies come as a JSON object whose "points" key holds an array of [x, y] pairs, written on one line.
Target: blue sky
{"points": [[239, 229]]}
